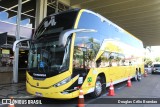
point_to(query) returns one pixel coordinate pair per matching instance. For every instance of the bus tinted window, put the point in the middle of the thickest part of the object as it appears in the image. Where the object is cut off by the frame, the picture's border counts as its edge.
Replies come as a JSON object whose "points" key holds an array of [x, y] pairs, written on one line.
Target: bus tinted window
{"points": [[53, 25], [90, 21], [86, 48], [106, 30]]}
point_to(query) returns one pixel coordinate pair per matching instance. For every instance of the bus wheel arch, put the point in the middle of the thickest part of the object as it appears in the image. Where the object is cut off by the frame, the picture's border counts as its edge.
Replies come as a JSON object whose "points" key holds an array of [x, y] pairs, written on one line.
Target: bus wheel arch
{"points": [[100, 85], [102, 75]]}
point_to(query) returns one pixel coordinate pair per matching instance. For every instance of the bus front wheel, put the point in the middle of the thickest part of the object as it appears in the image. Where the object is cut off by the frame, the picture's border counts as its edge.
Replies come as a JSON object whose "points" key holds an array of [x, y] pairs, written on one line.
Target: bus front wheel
{"points": [[99, 87]]}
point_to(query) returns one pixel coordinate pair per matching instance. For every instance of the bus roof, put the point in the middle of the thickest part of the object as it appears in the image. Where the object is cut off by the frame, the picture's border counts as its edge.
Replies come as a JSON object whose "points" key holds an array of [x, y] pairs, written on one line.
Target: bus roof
{"points": [[70, 10]]}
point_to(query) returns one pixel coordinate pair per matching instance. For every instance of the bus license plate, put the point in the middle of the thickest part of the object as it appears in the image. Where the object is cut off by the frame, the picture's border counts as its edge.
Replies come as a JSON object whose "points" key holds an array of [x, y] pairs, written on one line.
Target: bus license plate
{"points": [[39, 94]]}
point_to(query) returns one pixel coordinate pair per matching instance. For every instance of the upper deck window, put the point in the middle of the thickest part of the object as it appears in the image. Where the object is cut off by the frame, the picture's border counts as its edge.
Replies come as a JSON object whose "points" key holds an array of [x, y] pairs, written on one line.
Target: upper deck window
{"points": [[106, 30], [54, 24]]}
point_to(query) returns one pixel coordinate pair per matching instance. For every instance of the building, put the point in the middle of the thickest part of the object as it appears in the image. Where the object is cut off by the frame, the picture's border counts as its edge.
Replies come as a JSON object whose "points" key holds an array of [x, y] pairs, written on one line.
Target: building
{"points": [[31, 9]]}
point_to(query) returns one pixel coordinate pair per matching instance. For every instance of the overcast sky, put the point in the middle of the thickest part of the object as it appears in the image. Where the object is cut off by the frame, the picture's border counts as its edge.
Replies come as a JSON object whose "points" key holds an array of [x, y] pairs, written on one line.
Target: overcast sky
{"points": [[155, 51]]}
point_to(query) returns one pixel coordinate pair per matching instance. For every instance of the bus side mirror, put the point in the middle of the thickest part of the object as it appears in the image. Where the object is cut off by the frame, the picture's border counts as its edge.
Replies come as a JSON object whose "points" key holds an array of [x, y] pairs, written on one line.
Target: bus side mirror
{"points": [[18, 41], [66, 33]]}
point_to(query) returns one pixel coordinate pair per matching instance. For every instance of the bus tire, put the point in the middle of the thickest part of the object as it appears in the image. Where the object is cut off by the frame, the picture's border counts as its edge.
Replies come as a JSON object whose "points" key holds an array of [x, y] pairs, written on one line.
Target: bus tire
{"points": [[99, 87], [136, 76], [139, 76]]}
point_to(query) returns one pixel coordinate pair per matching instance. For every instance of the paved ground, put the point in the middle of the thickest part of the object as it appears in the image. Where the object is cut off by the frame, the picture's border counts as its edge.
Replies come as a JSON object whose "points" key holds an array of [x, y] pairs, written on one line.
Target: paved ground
{"points": [[15, 90], [149, 87]]}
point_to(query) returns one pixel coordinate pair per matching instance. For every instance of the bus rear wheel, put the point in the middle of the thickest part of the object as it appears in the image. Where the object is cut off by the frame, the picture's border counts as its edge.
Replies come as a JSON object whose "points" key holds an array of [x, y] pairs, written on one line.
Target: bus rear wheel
{"points": [[99, 87], [138, 76]]}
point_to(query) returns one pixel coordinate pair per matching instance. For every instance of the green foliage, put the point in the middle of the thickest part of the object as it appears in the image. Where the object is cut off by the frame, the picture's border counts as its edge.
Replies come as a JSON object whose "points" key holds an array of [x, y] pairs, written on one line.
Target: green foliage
{"points": [[148, 61], [157, 59]]}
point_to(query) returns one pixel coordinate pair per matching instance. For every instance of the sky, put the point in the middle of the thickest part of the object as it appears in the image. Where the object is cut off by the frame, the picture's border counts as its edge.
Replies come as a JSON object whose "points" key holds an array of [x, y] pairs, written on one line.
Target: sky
{"points": [[11, 28], [155, 51], [4, 17]]}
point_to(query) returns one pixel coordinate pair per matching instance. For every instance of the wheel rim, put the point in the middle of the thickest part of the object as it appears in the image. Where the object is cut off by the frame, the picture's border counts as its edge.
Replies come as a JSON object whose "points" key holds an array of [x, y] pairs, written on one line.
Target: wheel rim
{"points": [[136, 77], [98, 88], [139, 76]]}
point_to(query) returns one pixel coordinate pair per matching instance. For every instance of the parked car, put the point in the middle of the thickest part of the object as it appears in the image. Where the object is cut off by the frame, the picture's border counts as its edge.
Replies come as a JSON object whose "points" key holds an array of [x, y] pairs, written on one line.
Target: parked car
{"points": [[148, 68], [155, 68]]}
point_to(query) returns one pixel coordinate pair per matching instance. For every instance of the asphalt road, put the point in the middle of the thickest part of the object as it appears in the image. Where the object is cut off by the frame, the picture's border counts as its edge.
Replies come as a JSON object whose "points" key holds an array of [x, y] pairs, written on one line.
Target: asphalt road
{"points": [[149, 87]]}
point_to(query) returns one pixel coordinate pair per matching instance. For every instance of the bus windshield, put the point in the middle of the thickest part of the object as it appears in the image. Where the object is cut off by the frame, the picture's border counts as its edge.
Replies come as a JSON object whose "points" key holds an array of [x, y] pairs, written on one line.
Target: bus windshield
{"points": [[49, 57], [45, 55]]}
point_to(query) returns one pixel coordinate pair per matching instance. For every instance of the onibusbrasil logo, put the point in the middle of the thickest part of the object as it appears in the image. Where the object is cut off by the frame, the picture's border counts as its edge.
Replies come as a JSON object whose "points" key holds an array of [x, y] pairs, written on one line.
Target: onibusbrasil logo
{"points": [[20, 101]]}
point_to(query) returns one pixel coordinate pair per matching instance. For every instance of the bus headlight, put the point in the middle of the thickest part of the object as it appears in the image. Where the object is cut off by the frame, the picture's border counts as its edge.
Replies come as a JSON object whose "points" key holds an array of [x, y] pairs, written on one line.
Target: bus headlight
{"points": [[66, 80]]}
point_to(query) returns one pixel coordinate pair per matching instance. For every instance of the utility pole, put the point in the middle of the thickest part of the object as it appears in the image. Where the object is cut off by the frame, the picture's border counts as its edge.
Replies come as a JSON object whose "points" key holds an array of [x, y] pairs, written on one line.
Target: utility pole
{"points": [[41, 11], [16, 54], [56, 10]]}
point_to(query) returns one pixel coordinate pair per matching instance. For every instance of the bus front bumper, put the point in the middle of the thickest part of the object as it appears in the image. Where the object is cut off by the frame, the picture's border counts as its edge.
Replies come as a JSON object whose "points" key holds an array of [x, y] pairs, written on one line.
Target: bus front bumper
{"points": [[48, 93]]}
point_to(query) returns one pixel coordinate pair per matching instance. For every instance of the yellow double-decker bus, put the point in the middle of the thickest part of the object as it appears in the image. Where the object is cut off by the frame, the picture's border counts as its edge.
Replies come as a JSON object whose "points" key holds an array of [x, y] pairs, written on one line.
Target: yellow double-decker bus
{"points": [[80, 48]]}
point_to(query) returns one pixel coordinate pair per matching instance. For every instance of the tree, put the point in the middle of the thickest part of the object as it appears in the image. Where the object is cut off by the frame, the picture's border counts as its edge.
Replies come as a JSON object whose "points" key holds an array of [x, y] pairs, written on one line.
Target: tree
{"points": [[157, 59], [94, 47], [148, 61]]}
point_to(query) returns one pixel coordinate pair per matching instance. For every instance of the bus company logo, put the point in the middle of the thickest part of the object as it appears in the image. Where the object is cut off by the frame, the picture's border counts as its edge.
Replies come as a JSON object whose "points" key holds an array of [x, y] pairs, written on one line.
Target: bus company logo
{"points": [[39, 75], [6, 101], [51, 22]]}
